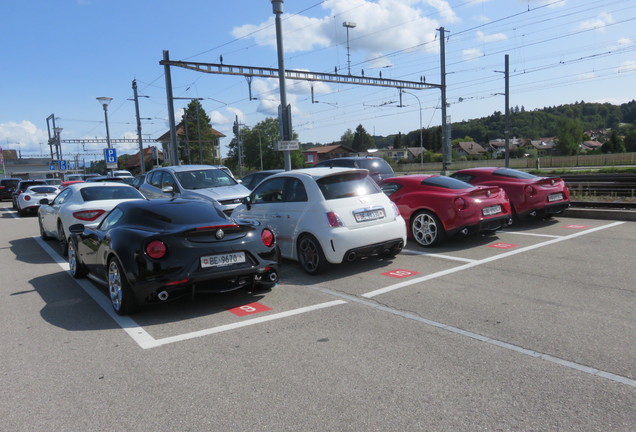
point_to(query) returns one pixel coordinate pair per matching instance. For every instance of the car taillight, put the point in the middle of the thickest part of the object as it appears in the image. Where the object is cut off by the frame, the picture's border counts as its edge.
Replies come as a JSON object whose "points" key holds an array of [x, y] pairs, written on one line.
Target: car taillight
{"points": [[88, 215], [267, 237], [530, 190], [396, 210], [27, 197], [156, 249], [334, 220], [460, 203]]}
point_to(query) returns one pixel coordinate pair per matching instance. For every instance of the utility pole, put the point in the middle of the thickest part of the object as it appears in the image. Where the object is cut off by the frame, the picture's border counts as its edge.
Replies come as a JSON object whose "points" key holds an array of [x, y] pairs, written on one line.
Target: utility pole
{"points": [[507, 131], [142, 158], [446, 150], [239, 144], [173, 151]]}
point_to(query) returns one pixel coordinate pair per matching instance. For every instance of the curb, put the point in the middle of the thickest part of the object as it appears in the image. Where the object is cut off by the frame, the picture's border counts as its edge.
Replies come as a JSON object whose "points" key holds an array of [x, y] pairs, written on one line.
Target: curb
{"points": [[605, 214]]}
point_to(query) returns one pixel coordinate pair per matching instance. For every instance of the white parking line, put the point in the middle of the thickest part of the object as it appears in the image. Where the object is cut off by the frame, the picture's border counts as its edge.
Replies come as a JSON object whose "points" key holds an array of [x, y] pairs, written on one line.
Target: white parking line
{"points": [[436, 255], [531, 234], [425, 278], [142, 337], [481, 338]]}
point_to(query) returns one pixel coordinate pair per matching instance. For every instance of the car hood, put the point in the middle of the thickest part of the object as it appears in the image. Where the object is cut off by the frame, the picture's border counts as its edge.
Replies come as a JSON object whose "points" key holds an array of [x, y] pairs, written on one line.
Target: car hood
{"points": [[222, 193]]}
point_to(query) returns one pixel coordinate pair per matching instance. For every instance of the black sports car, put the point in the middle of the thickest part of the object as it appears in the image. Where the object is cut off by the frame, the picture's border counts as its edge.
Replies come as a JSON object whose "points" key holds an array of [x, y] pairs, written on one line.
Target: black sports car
{"points": [[149, 251]]}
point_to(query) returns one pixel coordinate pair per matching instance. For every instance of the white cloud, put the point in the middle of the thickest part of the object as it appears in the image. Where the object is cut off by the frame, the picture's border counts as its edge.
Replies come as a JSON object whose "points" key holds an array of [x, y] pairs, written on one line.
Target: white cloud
{"points": [[216, 118], [26, 134], [586, 76], [237, 112], [597, 23], [471, 54], [483, 37], [628, 66], [402, 25]]}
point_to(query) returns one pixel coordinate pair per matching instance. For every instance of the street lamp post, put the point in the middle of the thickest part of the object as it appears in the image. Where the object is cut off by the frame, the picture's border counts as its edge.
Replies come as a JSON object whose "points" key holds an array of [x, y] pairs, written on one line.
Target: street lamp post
{"points": [[421, 134], [285, 110], [104, 101], [348, 25]]}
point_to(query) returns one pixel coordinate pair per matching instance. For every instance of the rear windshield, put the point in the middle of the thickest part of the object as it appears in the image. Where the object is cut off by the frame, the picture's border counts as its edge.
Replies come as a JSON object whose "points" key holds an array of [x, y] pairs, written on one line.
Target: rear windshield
{"points": [[107, 193], [347, 185], [446, 182], [44, 189], [9, 183], [375, 166], [165, 216], [506, 172]]}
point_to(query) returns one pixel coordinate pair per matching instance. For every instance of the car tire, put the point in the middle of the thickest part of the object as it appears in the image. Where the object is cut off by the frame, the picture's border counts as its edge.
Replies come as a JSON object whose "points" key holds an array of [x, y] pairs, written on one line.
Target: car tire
{"points": [[310, 255], [77, 269], [42, 232], [22, 212], [426, 229], [61, 237], [121, 297]]}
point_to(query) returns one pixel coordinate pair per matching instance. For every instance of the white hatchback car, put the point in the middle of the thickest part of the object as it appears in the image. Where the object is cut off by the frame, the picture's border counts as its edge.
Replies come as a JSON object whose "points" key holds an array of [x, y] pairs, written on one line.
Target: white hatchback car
{"points": [[85, 203], [326, 215]]}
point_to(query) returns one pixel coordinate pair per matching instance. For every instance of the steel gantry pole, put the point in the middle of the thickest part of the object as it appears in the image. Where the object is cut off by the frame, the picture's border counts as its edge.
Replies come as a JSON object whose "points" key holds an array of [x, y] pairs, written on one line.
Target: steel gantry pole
{"points": [[285, 110]]}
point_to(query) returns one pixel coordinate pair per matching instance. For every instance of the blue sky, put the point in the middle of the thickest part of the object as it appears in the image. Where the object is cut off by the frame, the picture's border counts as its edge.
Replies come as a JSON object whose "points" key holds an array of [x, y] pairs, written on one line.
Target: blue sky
{"points": [[58, 56]]}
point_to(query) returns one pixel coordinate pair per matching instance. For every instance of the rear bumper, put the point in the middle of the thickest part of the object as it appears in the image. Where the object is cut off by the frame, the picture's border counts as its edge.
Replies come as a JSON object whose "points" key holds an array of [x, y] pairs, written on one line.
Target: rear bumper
{"points": [[486, 225], [548, 210]]}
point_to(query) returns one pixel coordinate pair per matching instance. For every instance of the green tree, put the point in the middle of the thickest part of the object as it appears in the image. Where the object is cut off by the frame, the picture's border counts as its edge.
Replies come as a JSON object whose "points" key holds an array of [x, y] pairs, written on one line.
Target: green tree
{"points": [[347, 138], [258, 147], [361, 139], [569, 136], [197, 145], [630, 141]]}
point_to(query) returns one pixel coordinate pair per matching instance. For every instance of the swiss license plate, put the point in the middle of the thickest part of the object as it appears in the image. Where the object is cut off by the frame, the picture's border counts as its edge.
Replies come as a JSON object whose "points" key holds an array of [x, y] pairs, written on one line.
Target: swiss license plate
{"points": [[555, 197], [489, 211], [221, 260], [368, 215]]}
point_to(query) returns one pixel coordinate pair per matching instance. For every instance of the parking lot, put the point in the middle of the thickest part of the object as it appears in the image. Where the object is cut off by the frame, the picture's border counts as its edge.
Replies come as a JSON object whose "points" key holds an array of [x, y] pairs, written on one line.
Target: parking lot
{"points": [[529, 329]]}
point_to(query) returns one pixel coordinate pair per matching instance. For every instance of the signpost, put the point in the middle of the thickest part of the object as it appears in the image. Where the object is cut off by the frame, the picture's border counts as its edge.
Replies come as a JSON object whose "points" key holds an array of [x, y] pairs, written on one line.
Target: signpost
{"points": [[110, 157], [287, 145]]}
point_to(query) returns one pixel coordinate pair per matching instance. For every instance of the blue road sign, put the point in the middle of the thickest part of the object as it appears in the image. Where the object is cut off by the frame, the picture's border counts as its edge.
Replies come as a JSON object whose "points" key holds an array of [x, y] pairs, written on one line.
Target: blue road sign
{"points": [[52, 166], [110, 155], [63, 165]]}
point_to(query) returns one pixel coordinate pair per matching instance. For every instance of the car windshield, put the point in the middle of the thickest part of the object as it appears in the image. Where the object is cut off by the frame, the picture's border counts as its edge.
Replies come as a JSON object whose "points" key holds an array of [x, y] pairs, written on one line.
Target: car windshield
{"points": [[446, 182], [107, 193], [506, 172], [347, 185], [204, 178], [44, 189]]}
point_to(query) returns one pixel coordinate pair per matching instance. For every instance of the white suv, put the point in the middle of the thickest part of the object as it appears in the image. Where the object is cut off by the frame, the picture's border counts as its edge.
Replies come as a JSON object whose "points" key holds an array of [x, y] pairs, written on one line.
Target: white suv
{"points": [[326, 215]]}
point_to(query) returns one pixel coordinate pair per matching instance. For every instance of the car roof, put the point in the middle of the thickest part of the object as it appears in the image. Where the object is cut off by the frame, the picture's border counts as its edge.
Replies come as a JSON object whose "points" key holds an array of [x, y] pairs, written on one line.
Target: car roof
{"points": [[82, 185], [182, 168], [320, 172]]}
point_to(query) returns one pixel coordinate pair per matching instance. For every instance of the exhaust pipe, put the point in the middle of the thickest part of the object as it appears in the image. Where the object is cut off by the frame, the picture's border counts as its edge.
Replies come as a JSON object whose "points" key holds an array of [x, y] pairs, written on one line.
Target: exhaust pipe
{"points": [[464, 231], [533, 213], [351, 256], [163, 295]]}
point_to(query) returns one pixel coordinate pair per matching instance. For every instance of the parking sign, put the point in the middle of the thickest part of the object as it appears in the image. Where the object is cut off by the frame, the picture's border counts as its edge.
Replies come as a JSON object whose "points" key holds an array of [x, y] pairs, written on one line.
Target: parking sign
{"points": [[62, 165], [110, 157]]}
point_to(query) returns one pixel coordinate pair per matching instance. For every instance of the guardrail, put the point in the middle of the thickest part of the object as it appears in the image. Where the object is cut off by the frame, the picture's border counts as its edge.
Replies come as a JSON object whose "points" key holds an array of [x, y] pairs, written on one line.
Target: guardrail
{"points": [[618, 185]]}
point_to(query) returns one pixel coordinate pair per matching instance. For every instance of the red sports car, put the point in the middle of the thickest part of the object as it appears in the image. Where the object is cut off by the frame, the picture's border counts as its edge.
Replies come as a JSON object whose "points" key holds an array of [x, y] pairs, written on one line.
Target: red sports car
{"points": [[529, 194], [435, 207]]}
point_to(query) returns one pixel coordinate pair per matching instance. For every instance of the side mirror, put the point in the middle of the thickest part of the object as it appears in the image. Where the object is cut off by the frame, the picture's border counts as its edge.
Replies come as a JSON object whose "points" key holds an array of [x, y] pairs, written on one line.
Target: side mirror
{"points": [[168, 189], [247, 201]]}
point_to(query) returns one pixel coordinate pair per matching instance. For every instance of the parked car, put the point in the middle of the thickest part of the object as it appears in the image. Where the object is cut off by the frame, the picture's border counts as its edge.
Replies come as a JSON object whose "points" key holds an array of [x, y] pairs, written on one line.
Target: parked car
{"points": [[436, 207], [325, 216], [7, 186], [97, 179], [66, 184], [86, 203], [29, 200], [152, 251], [205, 182], [21, 187], [53, 181], [251, 180], [378, 168], [138, 181], [529, 194], [120, 173]]}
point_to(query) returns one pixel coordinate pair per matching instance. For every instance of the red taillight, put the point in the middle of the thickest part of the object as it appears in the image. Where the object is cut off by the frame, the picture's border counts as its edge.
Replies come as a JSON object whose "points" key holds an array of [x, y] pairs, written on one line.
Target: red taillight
{"points": [[156, 249], [88, 215], [267, 237], [530, 190], [27, 197], [460, 203], [334, 220], [177, 282]]}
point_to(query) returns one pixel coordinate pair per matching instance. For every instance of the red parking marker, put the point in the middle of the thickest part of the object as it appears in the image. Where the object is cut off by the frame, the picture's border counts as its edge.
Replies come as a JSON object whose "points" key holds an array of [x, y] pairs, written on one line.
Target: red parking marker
{"points": [[400, 273], [503, 245], [249, 309], [576, 226]]}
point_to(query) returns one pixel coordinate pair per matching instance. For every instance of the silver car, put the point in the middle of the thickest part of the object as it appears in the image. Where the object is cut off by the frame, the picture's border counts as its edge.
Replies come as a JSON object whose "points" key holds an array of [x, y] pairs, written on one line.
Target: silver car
{"points": [[206, 182]]}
